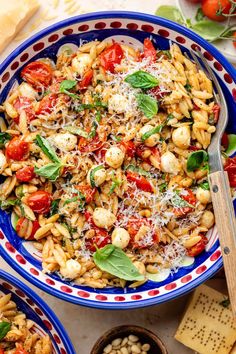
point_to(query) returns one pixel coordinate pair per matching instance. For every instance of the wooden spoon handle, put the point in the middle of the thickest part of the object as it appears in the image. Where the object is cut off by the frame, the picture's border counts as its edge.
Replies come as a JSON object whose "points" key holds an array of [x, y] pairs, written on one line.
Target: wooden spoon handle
{"points": [[226, 225]]}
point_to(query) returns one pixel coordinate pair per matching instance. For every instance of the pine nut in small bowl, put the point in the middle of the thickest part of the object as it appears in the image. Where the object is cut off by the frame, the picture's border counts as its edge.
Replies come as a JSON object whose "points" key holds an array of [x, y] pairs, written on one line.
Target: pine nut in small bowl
{"points": [[129, 339]]}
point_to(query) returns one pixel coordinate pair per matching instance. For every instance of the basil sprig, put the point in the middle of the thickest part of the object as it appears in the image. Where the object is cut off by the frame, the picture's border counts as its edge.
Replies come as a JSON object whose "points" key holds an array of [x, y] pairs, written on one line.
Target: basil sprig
{"points": [[178, 202], [77, 131], [66, 85], [84, 106], [4, 138], [142, 79], [139, 170], [52, 170], [196, 160], [92, 174], [114, 261], [205, 185], [147, 105], [54, 207], [155, 130], [4, 329]]}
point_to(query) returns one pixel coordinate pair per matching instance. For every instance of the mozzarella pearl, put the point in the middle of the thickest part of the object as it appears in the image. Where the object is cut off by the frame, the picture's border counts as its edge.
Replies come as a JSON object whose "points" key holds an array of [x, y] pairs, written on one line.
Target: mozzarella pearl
{"points": [[64, 141], [153, 139], [207, 219], [81, 63], [103, 218], [120, 237], [114, 157], [3, 162], [99, 176], [71, 270], [170, 163], [181, 137], [203, 196]]}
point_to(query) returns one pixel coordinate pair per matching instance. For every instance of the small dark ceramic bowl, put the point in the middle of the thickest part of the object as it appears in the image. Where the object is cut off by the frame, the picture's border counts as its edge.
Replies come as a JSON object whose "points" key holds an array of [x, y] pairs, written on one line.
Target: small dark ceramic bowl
{"points": [[145, 336]]}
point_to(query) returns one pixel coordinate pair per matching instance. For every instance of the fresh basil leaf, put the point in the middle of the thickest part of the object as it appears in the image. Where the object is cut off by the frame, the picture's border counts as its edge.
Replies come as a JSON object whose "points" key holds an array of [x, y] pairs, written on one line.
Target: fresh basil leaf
{"points": [[139, 170], [54, 207], [93, 130], [178, 202], [155, 130], [50, 171], [98, 116], [188, 87], [171, 13], [115, 183], [208, 29], [77, 131], [199, 15], [47, 148], [68, 201], [205, 185], [196, 159], [66, 85], [142, 79], [163, 187], [4, 329], [84, 106], [115, 262], [103, 253], [147, 105], [4, 138], [4, 204], [92, 174]]}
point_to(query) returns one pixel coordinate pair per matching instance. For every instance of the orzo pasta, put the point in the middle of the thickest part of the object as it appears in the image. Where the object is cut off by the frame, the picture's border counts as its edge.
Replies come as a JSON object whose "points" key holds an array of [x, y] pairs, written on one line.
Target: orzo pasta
{"points": [[16, 336], [107, 146]]}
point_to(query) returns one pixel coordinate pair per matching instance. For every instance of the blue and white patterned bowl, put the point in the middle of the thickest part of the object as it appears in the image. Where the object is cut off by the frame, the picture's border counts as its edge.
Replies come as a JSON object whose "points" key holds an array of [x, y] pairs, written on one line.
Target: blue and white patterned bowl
{"points": [[35, 309], [130, 28]]}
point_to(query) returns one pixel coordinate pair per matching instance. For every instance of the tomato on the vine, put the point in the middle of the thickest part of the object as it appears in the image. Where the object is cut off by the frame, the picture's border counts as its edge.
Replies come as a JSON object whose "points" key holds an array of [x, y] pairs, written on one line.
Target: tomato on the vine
{"points": [[40, 201], [17, 149], [214, 9]]}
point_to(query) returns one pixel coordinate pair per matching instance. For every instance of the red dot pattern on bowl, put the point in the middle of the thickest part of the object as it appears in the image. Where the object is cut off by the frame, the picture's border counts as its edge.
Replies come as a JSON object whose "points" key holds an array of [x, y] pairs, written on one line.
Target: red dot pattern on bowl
{"points": [[24, 57], [119, 298], [66, 289], [116, 24], [170, 286], [68, 31], [186, 279], [163, 33], [234, 93], [153, 292], [7, 286], [6, 77], [100, 25], [101, 297], [38, 46], [136, 297], [34, 271], [10, 248], [215, 256], [20, 259], [57, 339], [48, 324], [132, 26], [218, 66], [20, 293], [228, 78], [83, 28], [38, 311], [195, 47], [83, 294], [147, 28], [50, 282], [180, 39], [15, 65], [208, 56], [201, 269], [53, 38]]}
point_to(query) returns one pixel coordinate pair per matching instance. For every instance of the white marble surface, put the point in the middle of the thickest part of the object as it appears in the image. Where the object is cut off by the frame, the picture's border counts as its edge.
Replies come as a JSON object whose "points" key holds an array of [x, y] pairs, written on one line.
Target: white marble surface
{"points": [[85, 325]]}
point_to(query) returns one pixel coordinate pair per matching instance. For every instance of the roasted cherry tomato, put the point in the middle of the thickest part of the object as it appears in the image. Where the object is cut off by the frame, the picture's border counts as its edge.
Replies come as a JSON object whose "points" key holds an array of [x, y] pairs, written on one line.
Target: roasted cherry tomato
{"points": [[140, 181], [86, 80], [213, 9], [90, 145], [17, 149], [20, 350], [158, 93], [216, 112], [38, 74], [191, 199], [25, 174], [40, 202], [22, 226], [149, 51], [234, 42], [87, 191], [111, 56], [225, 141], [230, 168], [129, 147], [133, 227], [101, 239], [47, 104], [199, 247], [2, 351], [24, 104]]}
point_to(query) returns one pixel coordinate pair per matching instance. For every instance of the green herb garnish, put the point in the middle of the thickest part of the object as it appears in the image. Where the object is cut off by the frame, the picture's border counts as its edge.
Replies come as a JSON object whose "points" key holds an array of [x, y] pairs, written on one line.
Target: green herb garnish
{"points": [[163, 187], [68, 85], [155, 130], [205, 185], [4, 138], [4, 329], [114, 261], [178, 202], [139, 170], [54, 207], [196, 160], [92, 174], [142, 79], [76, 131], [84, 106], [147, 105], [4, 204]]}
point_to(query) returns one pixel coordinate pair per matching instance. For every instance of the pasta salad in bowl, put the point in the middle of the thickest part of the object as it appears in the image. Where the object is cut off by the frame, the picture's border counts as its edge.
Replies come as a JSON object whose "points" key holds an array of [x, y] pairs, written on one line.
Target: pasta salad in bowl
{"points": [[27, 324], [104, 163]]}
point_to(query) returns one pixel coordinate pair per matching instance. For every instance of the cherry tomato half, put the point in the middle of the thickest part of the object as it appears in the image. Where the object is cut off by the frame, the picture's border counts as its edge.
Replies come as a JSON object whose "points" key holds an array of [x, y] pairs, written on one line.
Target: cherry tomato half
{"points": [[101, 239], [40, 202], [199, 247], [24, 104], [230, 168], [17, 149], [140, 181], [149, 51], [38, 74], [191, 199], [20, 350], [129, 147], [111, 56], [22, 225], [87, 191], [213, 8], [158, 93], [86, 80], [90, 145], [25, 174], [133, 227], [47, 104]]}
